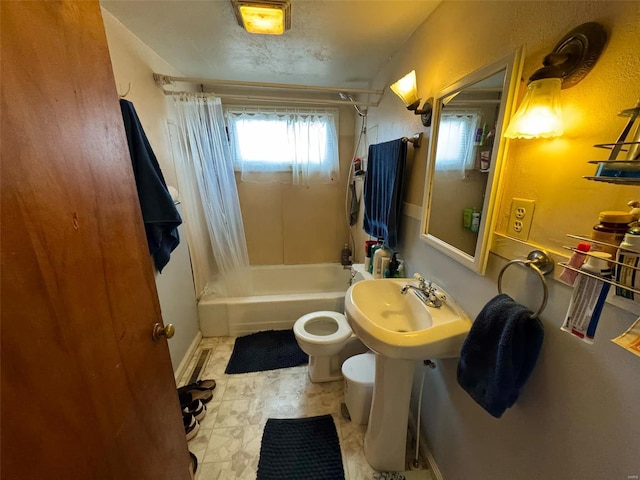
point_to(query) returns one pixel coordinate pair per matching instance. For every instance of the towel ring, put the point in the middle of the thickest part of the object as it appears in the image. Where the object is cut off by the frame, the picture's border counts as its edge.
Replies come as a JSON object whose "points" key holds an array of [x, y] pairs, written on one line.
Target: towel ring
{"points": [[542, 264]]}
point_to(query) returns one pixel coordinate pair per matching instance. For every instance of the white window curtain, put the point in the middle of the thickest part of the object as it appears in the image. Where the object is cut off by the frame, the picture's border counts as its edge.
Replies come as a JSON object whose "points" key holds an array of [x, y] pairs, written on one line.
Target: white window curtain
{"points": [[208, 166], [456, 133], [301, 142]]}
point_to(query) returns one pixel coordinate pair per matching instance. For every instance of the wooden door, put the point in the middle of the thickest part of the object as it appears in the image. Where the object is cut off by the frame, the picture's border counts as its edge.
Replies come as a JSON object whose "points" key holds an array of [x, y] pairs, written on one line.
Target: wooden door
{"points": [[86, 392]]}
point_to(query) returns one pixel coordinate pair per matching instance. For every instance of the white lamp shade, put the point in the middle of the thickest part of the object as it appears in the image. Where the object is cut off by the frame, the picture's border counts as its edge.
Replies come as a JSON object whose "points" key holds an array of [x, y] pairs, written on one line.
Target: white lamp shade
{"points": [[539, 115], [406, 88]]}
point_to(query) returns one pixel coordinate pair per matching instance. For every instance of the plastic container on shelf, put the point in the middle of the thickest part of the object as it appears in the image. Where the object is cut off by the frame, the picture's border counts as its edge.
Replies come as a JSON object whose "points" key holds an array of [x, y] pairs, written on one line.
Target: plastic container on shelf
{"points": [[628, 273], [611, 230]]}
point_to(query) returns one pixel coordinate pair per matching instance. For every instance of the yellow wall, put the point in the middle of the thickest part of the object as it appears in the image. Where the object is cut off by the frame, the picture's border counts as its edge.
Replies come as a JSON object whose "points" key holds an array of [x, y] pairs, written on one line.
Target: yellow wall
{"points": [[296, 224], [461, 37]]}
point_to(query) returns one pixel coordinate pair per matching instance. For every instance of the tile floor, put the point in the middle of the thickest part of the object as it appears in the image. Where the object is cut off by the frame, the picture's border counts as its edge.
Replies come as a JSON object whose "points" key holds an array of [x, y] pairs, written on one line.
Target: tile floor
{"points": [[228, 443]]}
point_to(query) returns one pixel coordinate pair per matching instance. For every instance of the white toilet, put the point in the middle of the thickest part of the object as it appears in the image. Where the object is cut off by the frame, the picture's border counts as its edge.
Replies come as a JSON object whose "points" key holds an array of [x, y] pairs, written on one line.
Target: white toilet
{"points": [[327, 338], [322, 335]]}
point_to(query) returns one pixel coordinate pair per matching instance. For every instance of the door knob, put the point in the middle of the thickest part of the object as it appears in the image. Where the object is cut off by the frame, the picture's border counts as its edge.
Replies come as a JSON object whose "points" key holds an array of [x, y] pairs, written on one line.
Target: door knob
{"points": [[159, 331]]}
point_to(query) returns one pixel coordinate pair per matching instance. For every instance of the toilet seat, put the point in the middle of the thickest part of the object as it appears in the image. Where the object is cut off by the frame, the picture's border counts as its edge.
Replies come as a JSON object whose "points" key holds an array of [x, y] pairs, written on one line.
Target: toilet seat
{"points": [[342, 333]]}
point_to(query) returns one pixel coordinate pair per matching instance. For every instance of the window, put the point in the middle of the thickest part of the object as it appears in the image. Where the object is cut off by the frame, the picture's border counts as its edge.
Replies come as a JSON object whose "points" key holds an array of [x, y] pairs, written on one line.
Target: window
{"points": [[455, 140], [303, 142]]}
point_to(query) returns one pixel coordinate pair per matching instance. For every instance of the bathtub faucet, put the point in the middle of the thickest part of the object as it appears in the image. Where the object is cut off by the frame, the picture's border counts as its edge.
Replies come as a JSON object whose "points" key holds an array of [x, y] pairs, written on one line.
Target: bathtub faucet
{"points": [[424, 291]]}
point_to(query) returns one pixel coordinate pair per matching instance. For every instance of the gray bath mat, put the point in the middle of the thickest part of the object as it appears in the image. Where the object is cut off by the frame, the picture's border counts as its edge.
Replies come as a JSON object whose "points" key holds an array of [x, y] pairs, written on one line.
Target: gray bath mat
{"points": [[265, 351], [300, 448]]}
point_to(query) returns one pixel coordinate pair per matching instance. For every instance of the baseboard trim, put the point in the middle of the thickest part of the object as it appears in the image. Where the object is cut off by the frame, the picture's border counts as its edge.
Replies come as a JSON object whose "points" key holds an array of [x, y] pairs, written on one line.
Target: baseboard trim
{"points": [[424, 449], [187, 357]]}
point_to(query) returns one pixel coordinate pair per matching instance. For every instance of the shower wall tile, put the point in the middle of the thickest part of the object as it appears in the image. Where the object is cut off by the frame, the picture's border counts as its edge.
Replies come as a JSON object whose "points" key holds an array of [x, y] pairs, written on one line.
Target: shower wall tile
{"points": [[261, 205], [312, 222], [292, 224]]}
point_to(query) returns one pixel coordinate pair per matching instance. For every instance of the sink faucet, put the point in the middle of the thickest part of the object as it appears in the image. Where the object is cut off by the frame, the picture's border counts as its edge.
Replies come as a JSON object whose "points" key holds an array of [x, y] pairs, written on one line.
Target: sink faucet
{"points": [[424, 291]]}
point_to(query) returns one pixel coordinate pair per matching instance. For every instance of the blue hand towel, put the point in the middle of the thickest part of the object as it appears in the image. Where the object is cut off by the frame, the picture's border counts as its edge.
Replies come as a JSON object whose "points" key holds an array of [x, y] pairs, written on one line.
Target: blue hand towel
{"points": [[499, 354]]}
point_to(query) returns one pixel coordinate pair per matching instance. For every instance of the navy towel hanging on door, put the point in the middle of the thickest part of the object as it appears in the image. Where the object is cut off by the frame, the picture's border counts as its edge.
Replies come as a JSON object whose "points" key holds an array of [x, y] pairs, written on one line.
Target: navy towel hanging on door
{"points": [[383, 190], [161, 218]]}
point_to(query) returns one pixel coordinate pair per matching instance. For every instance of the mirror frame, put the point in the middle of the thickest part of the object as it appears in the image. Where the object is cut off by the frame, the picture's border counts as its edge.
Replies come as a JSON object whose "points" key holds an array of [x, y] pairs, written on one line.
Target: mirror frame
{"points": [[512, 64]]}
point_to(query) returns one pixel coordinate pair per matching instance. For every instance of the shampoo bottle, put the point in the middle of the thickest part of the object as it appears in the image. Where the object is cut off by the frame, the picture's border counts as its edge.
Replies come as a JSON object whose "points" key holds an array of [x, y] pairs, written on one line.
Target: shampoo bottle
{"points": [[589, 295], [628, 273], [381, 254], [374, 249], [346, 256]]}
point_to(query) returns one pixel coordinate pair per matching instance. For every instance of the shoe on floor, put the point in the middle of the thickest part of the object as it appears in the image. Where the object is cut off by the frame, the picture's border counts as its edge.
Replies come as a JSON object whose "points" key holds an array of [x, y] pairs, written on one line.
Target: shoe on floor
{"points": [[193, 465], [191, 425], [197, 409], [199, 385], [188, 396]]}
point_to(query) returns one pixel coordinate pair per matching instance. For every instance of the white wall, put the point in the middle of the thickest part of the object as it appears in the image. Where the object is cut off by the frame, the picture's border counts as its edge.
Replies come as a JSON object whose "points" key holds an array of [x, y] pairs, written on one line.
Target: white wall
{"points": [[578, 415], [134, 63]]}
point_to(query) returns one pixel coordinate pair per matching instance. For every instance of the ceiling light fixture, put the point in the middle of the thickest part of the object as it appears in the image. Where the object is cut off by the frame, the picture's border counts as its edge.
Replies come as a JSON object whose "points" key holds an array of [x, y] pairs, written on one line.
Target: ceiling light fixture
{"points": [[266, 17], [407, 90], [540, 114]]}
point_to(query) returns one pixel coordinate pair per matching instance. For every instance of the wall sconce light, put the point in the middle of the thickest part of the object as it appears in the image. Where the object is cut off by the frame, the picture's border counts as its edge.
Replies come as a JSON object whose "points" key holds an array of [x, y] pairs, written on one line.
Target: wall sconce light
{"points": [[407, 90], [267, 17], [540, 114]]}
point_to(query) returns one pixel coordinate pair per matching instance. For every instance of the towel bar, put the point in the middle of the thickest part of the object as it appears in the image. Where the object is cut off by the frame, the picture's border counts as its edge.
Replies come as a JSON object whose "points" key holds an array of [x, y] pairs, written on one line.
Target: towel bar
{"points": [[416, 140], [542, 264]]}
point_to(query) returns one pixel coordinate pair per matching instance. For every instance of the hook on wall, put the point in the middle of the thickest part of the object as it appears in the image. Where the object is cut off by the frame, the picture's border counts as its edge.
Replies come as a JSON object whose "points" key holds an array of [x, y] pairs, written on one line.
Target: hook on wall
{"points": [[123, 95]]}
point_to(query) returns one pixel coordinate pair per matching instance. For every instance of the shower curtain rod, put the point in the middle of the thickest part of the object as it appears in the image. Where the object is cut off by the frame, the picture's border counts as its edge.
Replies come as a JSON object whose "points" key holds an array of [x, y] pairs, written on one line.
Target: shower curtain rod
{"points": [[261, 98], [162, 80]]}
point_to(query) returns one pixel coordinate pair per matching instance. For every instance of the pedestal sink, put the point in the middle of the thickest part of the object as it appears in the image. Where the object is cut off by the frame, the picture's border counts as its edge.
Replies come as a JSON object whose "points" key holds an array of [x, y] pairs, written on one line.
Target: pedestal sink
{"points": [[400, 329]]}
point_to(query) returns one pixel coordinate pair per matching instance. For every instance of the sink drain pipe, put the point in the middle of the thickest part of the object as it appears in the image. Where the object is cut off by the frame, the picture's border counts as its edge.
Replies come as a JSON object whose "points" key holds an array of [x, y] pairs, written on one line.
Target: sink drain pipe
{"points": [[430, 364]]}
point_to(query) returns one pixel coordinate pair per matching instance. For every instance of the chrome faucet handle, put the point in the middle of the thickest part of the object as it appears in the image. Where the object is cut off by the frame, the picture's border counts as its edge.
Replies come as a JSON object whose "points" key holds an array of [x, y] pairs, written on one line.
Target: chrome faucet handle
{"points": [[422, 283]]}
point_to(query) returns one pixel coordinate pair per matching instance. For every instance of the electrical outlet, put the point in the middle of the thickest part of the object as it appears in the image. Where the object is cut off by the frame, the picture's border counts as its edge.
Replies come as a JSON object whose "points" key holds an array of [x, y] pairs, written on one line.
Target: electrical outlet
{"points": [[521, 218]]}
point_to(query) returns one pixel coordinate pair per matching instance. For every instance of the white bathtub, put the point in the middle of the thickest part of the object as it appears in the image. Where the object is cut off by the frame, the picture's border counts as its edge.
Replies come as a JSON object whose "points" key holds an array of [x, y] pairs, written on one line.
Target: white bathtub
{"points": [[282, 294]]}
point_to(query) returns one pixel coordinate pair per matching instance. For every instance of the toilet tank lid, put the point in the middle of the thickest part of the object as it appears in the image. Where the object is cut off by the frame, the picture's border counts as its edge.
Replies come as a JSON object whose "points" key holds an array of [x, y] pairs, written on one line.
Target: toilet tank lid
{"points": [[360, 368]]}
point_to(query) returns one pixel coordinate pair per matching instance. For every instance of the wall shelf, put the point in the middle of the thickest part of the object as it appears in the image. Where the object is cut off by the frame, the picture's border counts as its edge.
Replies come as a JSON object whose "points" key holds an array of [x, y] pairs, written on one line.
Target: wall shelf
{"points": [[616, 265]]}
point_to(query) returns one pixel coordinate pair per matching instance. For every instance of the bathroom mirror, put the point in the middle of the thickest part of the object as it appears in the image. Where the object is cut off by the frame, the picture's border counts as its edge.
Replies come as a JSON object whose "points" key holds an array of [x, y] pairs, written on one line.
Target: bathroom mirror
{"points": [[465, 159]]}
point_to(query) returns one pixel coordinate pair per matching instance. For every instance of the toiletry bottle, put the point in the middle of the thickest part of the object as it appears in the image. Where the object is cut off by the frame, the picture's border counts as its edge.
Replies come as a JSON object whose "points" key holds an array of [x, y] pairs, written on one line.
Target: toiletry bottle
{"points": [[466, 217], [345, 258], [374, 249], [367, 254], [635, 213], [589, 295], [381, 253], [401, 269], [475, 221], [611, 230], [393, 265], [386, 272], [568, 276], [629, 273]]}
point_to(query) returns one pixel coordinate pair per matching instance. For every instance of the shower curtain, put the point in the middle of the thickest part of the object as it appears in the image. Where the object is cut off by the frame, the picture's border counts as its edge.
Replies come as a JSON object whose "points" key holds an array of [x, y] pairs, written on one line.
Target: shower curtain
{"points": [[206, 166]]}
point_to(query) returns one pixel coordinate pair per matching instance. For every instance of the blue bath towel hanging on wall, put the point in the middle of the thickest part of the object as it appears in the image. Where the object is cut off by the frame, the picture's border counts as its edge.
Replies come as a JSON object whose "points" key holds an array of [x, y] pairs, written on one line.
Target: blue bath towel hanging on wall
{"points": [[383, 190], [161, 218]]}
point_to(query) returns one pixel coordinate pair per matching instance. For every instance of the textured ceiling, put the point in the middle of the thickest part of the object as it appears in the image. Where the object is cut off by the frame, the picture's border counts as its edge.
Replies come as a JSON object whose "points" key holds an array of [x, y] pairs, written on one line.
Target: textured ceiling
{"points": [[341, 43]]}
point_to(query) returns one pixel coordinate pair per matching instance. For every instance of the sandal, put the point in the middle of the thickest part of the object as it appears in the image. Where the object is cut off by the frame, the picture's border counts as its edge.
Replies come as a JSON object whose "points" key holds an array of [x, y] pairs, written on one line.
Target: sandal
{"points": [[189, 396], [200, 385]]}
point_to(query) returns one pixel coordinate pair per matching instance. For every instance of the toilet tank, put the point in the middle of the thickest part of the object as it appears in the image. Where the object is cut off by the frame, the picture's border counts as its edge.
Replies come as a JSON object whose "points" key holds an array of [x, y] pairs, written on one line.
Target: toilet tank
{"points": [[358, 273]]}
